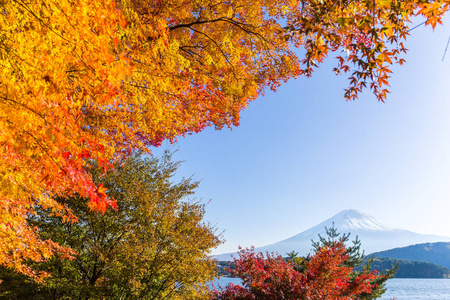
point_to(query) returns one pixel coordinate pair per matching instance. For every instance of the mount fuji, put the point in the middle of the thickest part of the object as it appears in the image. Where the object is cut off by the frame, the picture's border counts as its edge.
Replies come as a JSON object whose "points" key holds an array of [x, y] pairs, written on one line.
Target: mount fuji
{"points": [[374, 235]]}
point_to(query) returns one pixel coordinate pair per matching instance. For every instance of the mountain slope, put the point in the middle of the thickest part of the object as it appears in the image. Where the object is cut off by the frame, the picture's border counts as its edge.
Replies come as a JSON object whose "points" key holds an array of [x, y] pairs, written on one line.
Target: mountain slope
{"points": [[438, 253], [374, 235], [410, 268]]}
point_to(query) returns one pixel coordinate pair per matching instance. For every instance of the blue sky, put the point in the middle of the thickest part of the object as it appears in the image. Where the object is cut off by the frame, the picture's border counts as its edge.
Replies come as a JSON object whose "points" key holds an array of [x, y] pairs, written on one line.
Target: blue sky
{"points": [[303, 154]]}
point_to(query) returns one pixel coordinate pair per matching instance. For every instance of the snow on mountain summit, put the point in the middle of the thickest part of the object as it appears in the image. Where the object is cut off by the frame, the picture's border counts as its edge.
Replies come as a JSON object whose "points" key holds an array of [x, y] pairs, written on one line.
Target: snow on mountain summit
{"points": [[374, 235], [347, 221], [352, 219]]}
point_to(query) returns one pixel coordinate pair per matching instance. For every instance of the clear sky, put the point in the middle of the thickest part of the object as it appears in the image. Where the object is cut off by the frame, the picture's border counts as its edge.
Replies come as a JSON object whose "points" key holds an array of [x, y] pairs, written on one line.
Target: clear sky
{"points": [[303, 154]]}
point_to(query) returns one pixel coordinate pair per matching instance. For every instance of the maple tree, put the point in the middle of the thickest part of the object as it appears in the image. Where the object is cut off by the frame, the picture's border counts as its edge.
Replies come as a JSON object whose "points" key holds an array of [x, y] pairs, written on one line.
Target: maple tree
{"points": [[155, 246], [92, 81], [330, 273]]}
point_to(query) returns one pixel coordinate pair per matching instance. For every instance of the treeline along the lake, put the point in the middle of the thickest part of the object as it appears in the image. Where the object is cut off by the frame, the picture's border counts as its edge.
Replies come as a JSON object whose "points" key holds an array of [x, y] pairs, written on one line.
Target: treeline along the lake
{"points": [[406, 269], [411, 268]]}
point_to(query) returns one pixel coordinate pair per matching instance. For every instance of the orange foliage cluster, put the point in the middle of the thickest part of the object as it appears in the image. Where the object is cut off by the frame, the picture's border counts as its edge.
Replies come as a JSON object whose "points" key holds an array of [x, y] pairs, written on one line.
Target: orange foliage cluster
{"points": [[370, 33], [85, 81]]}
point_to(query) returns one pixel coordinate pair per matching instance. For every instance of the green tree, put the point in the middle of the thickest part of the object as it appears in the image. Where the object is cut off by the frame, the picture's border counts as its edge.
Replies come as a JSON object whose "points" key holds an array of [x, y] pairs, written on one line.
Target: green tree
{"points": [[154, 246]]}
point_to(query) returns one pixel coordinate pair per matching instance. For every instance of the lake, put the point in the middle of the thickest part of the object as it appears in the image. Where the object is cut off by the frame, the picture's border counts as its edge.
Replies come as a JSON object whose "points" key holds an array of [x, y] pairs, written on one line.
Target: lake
{"points": [[400, 288]]}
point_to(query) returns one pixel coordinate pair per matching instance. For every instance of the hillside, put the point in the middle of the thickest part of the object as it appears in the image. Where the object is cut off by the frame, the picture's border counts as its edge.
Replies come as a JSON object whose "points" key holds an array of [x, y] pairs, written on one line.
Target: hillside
{"points": [[411, 269], [438, 253]]}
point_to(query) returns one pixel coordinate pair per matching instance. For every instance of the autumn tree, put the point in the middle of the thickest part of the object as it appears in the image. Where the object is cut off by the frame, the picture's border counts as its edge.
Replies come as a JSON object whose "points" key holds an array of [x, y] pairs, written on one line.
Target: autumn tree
{"points": [[329, 273], [154, 246], [356, 260], [86, 82]]}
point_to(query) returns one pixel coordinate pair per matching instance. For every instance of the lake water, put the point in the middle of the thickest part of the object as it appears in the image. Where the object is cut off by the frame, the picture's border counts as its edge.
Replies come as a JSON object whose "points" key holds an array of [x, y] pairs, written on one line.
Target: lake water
{"points": [[401, 288]]}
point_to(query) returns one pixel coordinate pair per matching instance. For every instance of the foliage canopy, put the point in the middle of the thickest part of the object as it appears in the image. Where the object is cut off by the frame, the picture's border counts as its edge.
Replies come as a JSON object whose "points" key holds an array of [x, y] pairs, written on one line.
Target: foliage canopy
{"points": [[91, 81]]}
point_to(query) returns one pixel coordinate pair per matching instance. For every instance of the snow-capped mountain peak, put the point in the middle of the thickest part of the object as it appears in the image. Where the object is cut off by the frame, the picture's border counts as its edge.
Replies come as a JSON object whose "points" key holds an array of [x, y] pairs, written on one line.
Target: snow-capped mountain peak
{"points": [[352, 219], [374, 235]]}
